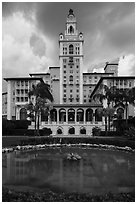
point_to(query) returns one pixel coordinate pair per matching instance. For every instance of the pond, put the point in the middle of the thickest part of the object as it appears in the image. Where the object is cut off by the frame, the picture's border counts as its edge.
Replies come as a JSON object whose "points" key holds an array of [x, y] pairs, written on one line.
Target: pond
{"points": [[98, 172]]}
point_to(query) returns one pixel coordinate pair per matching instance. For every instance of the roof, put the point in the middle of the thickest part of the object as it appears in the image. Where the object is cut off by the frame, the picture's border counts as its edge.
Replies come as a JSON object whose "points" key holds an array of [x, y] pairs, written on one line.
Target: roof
{"points": [[110, 64], [113, 77], [94, 73], [4, 93], [89, 105], [54, 67], [39, 74], [22, 78]]}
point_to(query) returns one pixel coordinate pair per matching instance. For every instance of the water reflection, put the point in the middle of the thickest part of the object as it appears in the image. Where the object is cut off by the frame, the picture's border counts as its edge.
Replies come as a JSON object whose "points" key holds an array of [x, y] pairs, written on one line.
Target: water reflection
{"points": [[98, 172]]}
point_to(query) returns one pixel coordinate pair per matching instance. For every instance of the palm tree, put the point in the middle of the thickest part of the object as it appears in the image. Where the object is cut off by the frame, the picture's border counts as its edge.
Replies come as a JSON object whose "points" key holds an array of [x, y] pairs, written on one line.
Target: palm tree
{"points": [[125, 97], [108, 94], [42, 96]]}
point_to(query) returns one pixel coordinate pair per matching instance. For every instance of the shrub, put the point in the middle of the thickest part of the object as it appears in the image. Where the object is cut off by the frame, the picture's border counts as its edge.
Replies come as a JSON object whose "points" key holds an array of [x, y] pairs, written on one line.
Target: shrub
{"points": [[83, 131], [59, 131], [72, 130], [96, 131]]}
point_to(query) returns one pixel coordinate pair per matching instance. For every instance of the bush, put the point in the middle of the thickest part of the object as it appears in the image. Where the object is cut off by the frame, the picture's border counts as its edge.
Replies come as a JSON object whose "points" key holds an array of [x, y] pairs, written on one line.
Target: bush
{"points": [[83, 131], [96, 131], [72, 130], [59, 131]]}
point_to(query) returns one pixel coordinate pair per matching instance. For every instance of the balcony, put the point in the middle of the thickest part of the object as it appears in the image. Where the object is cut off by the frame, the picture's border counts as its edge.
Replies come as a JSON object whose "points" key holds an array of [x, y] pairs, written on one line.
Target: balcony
{"points": [[71, 83]]}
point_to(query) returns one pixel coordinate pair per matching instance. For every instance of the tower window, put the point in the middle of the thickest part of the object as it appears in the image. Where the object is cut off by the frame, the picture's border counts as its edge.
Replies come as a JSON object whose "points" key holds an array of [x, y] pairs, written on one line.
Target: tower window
{"points": [[71, 49], [71, 30], [70, 78]]}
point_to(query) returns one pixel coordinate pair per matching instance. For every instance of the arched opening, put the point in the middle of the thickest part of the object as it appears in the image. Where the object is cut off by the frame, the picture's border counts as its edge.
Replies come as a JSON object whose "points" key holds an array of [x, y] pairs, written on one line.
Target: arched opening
{"points": [[98, 115], [71, 29], [53, 115], [120, 113], [80, 115], [70, 78], [59, 131], [23, 114], [83, 130], [71, 49], [62, 115], [71, 115], [71, 130], [44, 115], [89, 115]]}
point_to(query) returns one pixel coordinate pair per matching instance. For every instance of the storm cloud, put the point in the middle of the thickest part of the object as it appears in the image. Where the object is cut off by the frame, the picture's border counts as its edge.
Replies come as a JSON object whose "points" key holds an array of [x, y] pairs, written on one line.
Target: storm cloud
{"points": [[31, 33]]}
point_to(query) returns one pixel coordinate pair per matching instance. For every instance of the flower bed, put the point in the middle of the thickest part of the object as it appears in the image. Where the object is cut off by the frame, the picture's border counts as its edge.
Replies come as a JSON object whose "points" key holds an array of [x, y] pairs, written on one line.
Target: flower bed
{"points": [[9, 195]]}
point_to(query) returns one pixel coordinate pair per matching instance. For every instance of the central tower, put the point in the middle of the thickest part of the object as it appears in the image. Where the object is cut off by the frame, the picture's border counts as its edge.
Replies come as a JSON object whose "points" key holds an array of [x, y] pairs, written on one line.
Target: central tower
{"points": [[71, 63]]}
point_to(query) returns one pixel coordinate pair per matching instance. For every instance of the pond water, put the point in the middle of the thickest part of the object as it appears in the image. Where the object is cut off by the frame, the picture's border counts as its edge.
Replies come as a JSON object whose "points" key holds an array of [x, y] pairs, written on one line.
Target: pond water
{"points": [[98, 172]]}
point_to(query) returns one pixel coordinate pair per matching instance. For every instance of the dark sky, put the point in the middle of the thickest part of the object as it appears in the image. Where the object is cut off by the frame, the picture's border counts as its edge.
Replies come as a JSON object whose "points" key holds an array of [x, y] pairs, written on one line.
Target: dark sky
{"points": [[31, 31]]}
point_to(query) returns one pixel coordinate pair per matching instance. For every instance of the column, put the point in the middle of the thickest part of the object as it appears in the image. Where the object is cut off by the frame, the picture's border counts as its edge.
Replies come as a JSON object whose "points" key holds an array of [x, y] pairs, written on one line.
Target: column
{"points": [[58, 116], [75, 115], [66, 115], [84, 116]]}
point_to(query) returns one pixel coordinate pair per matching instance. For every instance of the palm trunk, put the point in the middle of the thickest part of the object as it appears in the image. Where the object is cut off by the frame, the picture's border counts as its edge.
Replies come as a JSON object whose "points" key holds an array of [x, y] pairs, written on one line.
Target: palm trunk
{"points": [[38, 126], [106, 125], [35, 120], [126, 112]]}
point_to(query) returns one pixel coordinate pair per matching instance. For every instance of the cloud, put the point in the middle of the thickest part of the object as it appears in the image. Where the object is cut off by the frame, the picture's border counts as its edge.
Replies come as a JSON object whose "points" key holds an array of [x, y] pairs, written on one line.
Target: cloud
{"points": [[24, 47], [126, 65], [38, 45]]}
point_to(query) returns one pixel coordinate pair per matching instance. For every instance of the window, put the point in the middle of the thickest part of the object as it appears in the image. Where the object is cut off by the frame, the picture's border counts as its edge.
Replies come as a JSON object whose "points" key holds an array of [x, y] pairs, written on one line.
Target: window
{"points": [[64, 71], [121, 82], [22, 99], [26, 99], [64, 60], [71, 90], [64, 90], [77, 66], [71, 29], [18, 83], [84, 100], [77, 90], [70, 78], [17, 99], [130, 84], [64, 95], [77, 60], [22, 83], [71, 49], [64, 66], [26, 83], [71, 71]]}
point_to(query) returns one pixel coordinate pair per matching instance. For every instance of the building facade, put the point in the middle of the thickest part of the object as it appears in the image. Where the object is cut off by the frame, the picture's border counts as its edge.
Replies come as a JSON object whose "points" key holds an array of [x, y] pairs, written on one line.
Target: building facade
{"points": [[74, 112]]}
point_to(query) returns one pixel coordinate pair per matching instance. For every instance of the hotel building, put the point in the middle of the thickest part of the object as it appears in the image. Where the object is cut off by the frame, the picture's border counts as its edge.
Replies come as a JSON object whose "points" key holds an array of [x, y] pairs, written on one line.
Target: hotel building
{"points": [[73, 108]]}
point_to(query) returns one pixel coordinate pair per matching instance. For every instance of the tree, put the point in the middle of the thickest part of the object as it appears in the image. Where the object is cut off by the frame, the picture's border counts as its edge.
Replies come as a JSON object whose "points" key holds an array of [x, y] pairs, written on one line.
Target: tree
{"points": [[108, 94], [124, 97], [40, 102]]}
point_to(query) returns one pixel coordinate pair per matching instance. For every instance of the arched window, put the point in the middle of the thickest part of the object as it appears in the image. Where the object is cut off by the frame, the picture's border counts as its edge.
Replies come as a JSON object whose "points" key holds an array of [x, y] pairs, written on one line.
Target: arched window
{"points": [[71, 115], [23, 114], [89, 115], [71, 49], [62, 115], [53, 115], [71, 29], [70, 78], [80, 115], [98, 115]]}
